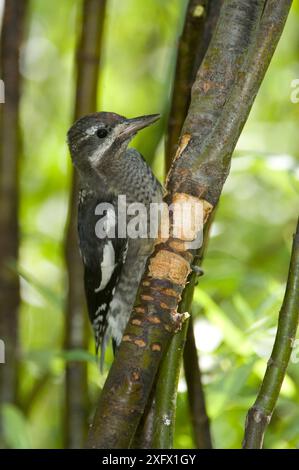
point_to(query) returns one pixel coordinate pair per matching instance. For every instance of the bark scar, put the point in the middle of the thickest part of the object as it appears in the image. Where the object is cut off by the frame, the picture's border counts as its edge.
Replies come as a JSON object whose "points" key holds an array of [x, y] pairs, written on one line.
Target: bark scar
{"points": [[170, 266], [184, 141]]}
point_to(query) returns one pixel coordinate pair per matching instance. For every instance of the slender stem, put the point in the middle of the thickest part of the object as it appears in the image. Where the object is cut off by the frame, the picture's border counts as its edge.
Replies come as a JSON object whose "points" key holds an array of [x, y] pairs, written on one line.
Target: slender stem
{"points": [[166, 391], [76, 391], [199, 416], [10, 153], [260, 413], [29, 401]]}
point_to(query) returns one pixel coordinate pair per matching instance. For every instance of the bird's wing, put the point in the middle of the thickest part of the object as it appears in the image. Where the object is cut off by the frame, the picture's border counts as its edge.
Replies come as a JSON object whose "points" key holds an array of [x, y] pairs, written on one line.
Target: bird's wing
{"points": [[103, 259]]}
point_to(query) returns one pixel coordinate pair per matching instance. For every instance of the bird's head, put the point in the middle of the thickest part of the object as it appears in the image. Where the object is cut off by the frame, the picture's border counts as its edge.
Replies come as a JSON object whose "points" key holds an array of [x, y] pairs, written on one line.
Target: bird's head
{"points": [[102, 135]]}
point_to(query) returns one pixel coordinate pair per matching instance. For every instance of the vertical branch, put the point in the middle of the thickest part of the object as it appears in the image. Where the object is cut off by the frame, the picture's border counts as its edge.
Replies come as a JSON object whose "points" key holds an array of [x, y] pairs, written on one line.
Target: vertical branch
{"points": [[260, 413], [76, 392], [200, 22], [166, 390], [199, 417], [10, 150]]}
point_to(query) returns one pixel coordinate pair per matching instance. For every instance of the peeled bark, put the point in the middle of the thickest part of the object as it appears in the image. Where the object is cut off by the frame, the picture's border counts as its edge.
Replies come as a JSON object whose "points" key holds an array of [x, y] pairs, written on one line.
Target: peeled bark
{"points": [[200, 21], [200, 24]]}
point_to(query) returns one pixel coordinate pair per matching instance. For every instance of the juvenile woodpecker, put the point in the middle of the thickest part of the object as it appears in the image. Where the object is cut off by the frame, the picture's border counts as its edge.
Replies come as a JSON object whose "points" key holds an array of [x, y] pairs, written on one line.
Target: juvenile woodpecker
{"points": [[113, 265]]}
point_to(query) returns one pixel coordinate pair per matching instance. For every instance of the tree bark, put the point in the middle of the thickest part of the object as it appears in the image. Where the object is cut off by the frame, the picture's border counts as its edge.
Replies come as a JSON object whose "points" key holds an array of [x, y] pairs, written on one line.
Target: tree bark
{"points": [[200, 22], [170, 369], [222, 96], [10, 152], [76, 333]]}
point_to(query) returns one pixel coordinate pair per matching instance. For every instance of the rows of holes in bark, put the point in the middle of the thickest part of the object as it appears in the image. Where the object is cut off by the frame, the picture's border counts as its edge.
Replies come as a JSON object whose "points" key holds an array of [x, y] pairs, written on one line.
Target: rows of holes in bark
{"points": [[160, 297], [161, 289]]}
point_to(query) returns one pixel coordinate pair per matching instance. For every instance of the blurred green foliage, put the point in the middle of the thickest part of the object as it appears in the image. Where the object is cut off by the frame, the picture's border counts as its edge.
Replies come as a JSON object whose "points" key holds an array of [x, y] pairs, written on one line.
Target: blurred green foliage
{"points": [[237, 301]]}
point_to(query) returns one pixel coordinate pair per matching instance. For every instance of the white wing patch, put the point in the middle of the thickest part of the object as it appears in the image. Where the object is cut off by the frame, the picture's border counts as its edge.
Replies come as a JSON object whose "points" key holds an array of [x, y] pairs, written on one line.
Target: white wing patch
{"points": [[107, 265]]}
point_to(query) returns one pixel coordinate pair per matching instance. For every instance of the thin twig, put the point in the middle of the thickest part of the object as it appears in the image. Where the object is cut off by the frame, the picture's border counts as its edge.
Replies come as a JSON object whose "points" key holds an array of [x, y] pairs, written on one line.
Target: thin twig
{"points": [[260, 413]]}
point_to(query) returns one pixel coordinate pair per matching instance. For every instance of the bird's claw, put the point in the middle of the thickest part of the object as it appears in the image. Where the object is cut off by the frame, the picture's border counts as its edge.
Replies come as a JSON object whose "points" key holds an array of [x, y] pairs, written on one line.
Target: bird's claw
{"points": [[197, 270]]}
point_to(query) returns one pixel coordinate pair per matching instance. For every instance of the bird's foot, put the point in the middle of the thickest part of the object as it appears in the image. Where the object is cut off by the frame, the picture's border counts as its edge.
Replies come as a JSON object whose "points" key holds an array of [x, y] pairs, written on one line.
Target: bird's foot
{"points": [[197, 270]]}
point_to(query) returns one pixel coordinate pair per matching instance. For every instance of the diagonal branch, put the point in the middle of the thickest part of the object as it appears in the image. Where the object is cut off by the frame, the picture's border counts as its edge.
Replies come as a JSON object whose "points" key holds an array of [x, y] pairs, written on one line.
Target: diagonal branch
{"points": [[200, 21], [260, 414], [200, 24], [168, 375], [197, 176]]}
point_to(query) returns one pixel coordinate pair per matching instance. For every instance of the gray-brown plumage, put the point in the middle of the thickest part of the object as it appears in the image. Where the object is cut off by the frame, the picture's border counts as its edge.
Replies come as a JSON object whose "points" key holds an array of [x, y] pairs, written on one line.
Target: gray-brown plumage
{"points": [[107, 169]]}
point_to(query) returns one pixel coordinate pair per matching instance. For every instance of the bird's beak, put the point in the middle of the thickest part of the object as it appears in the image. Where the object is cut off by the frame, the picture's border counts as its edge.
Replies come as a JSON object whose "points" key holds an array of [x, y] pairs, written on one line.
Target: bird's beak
{"points": [[129, 127]]}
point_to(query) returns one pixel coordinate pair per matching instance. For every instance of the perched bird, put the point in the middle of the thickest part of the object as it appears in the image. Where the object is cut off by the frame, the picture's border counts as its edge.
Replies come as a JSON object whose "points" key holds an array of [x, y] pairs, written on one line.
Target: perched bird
{"points": [[107, 169]]}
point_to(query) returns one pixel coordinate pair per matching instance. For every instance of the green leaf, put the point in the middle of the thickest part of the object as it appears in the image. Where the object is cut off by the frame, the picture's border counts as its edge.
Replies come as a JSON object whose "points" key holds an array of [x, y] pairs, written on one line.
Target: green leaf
{"points": [[15, 428], [77, 355], [233, 336], [52, 297], [228, 388]]}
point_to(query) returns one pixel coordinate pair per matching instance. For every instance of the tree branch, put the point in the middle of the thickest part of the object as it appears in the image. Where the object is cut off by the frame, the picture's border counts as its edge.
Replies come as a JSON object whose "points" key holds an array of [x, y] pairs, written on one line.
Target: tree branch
{"points": [[180, 106], [199, 417], [166, 391], [76, 333], [170, 369], [196, 177], [223, 138], [260, 414], [200, 22], [10, 151]]}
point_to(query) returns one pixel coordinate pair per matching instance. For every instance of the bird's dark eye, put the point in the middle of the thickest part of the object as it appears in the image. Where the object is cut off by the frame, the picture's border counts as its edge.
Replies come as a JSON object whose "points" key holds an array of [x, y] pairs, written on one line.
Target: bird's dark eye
{"points": [[101, 133]]}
